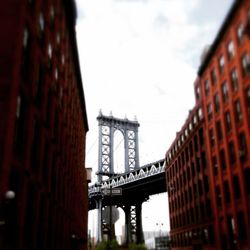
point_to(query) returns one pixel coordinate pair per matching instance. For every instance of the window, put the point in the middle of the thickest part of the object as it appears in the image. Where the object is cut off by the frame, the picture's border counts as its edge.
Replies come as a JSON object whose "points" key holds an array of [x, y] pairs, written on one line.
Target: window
{"points": [[236, 187], [39, 83], [191, 149], [238, 113], [52, 14], [58, 38], [49, 51], [241, 226], [195, 119], [248, 99], [230, 50], [198, 165], [209, 111], [206, 83], [223, 164], [231, 226], [203, 160], [201, 138], [56, 74], [242, 147], [192, 215], [25, 38], [219, 131], [234, 80], [232, 156], [240, 31], [211, 234], [218, 196], [196, 143], [188, 174], [221, 64], [208, 208], [25, 53], [205, 233], [186, 154], [18, 107], [245, 62], [226, 192], [19, 125], [56, 123], [216, 102], [197, 93], [224, 89], [63, 59], [45, 170], [193, 169], [200, 113], [211, 136], [228, 123], [213, 76], [190, 193], [35, 144], [41, 25], [247, 180], [215, 165], [41, 22]]}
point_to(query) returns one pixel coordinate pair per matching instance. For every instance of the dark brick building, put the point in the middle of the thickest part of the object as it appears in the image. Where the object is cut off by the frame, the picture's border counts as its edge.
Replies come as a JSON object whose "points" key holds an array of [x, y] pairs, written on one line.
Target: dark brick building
{"points": [[43, 124], [211, 209]]}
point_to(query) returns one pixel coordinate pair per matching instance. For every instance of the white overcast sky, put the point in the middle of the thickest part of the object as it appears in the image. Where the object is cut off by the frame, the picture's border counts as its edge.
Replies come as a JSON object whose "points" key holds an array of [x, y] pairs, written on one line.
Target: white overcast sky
{"points": [[140, 58]]}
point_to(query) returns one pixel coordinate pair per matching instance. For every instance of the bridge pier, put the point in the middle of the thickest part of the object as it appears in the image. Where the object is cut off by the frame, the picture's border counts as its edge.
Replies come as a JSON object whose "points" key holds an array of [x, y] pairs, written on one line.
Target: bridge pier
{"points": [[133, 223], [99, 221], [139, 231], [128, 235]]}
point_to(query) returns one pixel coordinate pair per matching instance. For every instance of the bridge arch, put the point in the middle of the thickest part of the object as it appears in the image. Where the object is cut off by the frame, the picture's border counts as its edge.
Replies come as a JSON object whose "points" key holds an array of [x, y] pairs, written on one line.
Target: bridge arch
{"points": [[119, 154]]}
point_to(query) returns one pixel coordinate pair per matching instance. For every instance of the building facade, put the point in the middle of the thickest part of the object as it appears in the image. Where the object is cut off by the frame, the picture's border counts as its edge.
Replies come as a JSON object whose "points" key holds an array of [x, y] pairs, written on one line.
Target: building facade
{"points": [[188, 186], [43, 123], [222, 91]]}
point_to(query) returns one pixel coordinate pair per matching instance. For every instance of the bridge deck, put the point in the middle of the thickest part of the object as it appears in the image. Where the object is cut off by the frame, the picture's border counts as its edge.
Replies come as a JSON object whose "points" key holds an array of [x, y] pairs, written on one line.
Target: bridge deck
{"points": [[136, 185]]}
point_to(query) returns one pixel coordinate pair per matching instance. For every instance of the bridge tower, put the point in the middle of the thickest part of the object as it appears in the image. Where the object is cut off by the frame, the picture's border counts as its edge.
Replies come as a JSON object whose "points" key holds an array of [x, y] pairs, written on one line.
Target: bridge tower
{"points": [[107, 126], [129, 129]]}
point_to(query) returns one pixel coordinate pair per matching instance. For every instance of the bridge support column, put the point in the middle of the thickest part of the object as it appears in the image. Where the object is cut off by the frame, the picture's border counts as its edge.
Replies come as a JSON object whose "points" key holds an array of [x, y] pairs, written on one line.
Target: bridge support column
{"points": [[133, 224], [139, 230], [128, 234], [99, 222]]}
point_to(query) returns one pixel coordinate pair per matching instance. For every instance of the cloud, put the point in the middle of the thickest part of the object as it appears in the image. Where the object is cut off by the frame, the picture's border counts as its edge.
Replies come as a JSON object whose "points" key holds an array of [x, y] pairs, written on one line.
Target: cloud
{"points": [[161, 21], [160, 90]]}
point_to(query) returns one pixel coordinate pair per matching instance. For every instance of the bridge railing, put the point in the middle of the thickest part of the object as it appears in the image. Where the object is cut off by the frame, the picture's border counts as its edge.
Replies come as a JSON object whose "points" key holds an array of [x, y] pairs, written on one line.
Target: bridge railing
{"points": [[145, 171]]}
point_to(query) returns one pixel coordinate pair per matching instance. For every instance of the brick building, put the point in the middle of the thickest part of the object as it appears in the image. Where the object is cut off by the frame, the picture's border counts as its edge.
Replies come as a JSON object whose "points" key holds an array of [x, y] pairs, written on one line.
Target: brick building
{"points": [[215, 214], [188, 185], [43, 123]]}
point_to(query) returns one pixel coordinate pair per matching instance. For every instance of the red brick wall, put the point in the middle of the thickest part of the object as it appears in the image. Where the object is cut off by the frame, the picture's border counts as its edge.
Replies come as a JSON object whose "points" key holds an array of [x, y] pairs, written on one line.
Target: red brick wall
{"points": [[229, 179], [227, 145], [43, 127]]}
